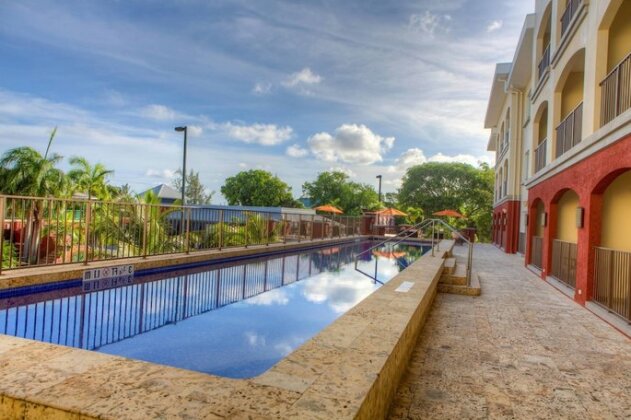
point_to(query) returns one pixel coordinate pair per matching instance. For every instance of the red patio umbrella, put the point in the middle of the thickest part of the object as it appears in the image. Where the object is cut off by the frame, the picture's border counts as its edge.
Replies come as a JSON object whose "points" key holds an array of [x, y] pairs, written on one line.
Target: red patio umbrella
{"points": [[391, 212], [449, 213]]}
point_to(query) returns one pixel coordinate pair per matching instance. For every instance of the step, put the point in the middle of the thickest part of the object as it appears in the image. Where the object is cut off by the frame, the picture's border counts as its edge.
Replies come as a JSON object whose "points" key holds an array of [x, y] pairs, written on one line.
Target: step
{"points": [[457, 277], [474, 289], [450, 266]]}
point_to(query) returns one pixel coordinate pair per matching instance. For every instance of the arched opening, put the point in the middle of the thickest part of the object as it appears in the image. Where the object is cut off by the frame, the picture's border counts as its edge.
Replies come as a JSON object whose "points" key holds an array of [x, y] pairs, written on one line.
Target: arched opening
{"points": [[544, 36], [567, 10], [569, 104], [565, 213], [541, 137], [507, 129], [501, 140], [612, 279], [500, 184], [539, 220], [615, 42]]}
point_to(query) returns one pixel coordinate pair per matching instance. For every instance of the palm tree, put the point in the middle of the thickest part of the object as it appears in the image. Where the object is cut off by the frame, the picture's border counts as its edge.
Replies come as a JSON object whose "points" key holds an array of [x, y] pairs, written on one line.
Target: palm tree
{"points": [[26, 172], [89, 179]]}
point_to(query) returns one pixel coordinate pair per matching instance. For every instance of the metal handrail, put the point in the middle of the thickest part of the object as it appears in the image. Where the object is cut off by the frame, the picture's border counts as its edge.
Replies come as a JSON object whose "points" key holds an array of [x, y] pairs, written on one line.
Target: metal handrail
{"points": [[425, 223]]}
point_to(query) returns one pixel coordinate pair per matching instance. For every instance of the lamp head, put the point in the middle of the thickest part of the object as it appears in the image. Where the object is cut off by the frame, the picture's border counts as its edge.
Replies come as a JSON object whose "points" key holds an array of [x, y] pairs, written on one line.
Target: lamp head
{"points": [[180, 129]]}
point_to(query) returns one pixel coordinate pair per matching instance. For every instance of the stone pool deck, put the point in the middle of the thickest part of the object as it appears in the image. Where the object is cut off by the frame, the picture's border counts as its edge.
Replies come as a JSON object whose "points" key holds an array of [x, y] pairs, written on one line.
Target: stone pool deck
{"points": [[521, 350]]}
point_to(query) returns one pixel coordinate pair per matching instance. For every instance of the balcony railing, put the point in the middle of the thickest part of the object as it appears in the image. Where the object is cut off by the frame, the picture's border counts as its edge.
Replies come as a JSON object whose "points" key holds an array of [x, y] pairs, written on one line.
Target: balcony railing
{"points": [[570, 131], [544, 63], [568, 16], [612, 281], [50, 231], [616, 92], [541, 155], [536, 255], [564, 262]]}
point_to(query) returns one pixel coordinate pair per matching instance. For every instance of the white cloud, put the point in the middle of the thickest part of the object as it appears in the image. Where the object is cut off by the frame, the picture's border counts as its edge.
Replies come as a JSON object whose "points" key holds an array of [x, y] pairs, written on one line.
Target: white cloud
{"points": [[344, 170], [158, 113], [408, 159], [296, 151], [162, 174], [429, 22], [351, 143], [495, 25], [462, 158], [303, 77], [195, 130], [262, 88], [269, 298], [254, 339], [243, 165], [263, 134]]}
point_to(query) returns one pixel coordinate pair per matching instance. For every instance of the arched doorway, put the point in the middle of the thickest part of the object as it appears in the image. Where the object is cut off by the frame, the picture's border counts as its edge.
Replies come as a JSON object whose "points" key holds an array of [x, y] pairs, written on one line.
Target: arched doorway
{"points": [[569, 105], [565, 214], [612, 277], [541, 137]]}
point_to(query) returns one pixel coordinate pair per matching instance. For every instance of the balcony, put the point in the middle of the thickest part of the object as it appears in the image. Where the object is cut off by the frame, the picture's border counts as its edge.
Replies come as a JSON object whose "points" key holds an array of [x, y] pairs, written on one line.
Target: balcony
{"points": [[616, 92], [540, 155], [568, 16], [570, 131], [545, 62]]}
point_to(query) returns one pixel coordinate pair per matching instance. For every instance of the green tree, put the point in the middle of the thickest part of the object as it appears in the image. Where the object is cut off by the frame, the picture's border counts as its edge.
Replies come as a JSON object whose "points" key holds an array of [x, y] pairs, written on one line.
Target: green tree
{"points": [[257, 187], [335, 188], [89, 179], [26, 172], [437, 186], [196, 192]]}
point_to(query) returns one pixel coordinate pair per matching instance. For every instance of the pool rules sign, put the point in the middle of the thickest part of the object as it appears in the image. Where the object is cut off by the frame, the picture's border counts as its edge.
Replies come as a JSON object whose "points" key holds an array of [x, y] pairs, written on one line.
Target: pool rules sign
{"points": [[107, 277]]}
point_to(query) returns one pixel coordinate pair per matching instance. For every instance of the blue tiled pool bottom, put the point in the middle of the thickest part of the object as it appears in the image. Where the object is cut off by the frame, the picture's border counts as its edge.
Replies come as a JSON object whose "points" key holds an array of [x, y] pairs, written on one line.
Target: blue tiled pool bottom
{"points": [[234, 320]]}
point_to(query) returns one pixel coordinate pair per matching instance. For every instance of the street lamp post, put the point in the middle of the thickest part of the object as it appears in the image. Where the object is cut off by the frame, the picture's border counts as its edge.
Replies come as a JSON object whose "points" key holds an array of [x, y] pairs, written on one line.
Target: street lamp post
{"points": [[379, 178], [185, 130]]}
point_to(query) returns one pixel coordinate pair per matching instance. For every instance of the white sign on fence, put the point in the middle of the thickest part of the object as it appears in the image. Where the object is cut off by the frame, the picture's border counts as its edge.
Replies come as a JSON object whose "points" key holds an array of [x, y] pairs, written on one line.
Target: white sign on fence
{"points": [[108, 272]]}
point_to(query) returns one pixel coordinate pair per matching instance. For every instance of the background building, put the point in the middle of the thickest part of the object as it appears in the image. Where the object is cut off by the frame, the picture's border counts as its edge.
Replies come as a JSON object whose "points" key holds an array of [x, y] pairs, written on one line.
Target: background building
{"points": [[560, 120]]}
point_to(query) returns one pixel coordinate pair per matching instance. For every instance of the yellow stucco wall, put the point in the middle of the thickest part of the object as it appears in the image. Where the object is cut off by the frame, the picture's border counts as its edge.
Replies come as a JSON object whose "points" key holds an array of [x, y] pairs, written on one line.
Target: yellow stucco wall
{"points": [[538, 227], [543, 126], [566, 217], [572, 93], [616, 216], [620, 36]]}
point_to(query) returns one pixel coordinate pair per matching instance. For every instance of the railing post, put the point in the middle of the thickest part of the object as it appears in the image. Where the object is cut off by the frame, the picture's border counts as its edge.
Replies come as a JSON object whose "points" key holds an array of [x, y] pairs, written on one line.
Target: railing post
{"points": [[3, 203], [312, 224], [610, 279], [246, 229], [88, 220], [433, 237], [469, 263], [267, 223], [220, 229], [299, 227], [284, 226], [188, 230], [145, 224]]}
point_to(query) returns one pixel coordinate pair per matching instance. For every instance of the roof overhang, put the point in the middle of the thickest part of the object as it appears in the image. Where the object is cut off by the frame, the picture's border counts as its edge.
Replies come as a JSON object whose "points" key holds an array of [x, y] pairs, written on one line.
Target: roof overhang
{"points": [[490, 147], [498, 94], [521, 71]]}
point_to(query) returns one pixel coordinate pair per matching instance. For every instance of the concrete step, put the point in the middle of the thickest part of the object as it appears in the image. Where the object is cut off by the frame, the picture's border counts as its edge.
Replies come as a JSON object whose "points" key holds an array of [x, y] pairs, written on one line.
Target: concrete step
{"points": [[474, 289], [456, 277], [450, 266]]}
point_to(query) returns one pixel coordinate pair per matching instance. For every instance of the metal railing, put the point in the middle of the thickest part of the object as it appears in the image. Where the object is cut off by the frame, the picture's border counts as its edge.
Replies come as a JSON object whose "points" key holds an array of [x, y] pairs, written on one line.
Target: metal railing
{"points": [[425, 224], [612, 281], [568, 15], [616, 92], [51, 231], [544, 63], [541, 155], [564, 262], [75, 316], [570, 131], [536, 255]]}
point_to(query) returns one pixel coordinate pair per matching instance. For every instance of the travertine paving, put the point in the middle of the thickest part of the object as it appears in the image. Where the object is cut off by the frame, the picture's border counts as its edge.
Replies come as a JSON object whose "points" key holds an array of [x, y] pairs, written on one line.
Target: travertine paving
{"points": [[521, 350]]}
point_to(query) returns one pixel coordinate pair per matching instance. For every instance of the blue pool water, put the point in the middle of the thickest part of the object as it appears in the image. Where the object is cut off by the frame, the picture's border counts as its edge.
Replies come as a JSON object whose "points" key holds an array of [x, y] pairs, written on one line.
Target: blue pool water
{"points": [[231, 319]]}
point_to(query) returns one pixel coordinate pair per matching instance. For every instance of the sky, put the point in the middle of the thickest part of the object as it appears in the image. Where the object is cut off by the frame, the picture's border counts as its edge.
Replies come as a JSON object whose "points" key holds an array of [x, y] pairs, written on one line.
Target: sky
{"points": [[295, 87]]}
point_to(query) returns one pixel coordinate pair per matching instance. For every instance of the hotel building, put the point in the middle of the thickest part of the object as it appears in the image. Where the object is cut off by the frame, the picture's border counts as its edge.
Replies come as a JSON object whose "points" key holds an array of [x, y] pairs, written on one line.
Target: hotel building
{"points": [[560, 120]]}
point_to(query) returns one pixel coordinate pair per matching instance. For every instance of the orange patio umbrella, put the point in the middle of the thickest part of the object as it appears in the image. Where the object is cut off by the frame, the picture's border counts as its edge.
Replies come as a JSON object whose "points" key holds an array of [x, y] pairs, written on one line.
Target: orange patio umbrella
{"points": [[449, 213], [391, 255], [391, 212], [327, 208]]}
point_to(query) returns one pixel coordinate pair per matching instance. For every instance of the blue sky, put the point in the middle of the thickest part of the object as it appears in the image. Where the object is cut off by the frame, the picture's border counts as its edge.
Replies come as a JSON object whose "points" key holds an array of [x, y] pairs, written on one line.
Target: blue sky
{"points": [[294, 87]]}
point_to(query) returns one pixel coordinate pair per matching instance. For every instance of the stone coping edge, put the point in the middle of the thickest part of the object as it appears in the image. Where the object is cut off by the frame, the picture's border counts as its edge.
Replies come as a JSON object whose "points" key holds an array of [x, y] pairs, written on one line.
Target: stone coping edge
{"points": [[351, 369]]}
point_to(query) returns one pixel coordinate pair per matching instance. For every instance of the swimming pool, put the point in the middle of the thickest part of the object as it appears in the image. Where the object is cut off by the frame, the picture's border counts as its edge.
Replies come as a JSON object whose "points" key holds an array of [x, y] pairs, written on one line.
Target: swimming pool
{"points": [[233, 319]]}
